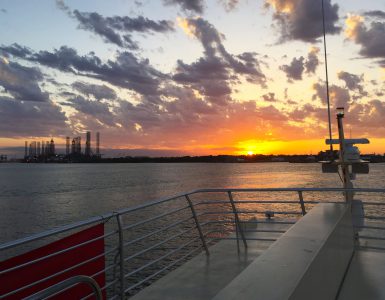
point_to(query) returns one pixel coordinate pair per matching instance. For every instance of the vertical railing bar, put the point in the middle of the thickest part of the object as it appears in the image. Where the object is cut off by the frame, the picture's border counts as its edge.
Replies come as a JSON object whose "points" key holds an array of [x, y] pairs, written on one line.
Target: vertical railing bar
{"points": [[121, 259], [197, 224], [237, 218], [302, 203], [237, 235], [114, 271]]}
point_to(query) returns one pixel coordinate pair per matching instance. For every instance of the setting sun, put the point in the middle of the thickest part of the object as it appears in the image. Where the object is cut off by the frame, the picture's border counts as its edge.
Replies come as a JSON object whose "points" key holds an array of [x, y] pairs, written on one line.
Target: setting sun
{"points": [[250, 152]]}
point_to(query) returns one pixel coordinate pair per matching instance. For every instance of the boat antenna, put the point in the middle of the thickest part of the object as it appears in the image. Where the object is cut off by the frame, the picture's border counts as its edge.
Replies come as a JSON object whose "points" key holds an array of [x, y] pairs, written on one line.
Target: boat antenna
{"points": [[327, 77]]}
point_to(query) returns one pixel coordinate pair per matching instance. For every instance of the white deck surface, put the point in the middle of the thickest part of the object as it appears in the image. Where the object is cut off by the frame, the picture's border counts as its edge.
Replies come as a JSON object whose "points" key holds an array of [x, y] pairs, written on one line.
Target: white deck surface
{"points": [[365, 279], [203, 277]]}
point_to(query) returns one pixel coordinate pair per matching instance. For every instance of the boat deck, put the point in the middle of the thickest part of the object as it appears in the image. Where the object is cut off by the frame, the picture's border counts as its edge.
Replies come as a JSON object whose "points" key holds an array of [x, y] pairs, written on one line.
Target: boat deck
{"points": [[224, 271], [325, 251], [211, 273], [365, 278]]}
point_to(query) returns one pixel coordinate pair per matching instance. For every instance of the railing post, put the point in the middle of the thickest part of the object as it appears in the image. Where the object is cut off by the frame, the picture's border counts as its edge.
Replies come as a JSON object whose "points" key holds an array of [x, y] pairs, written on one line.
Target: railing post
{"points": [[236, 217], [121, 254], [302, 203], [197, 224]]}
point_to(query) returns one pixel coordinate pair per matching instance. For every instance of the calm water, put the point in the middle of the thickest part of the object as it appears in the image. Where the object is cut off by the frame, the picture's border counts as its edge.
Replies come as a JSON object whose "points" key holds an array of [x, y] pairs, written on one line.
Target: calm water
{"points": [[36, 197]]}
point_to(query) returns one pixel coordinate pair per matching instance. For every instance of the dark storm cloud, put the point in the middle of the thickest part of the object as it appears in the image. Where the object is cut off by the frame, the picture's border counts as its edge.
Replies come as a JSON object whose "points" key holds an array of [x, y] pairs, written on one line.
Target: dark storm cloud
{"points": [[213, 73], [188, 5], [125, 71], [117, 29], [302, 19], [98, 91], [295, 70], [21, 82], [375, 14], [23, 119], [371, 38], [353, 82]]}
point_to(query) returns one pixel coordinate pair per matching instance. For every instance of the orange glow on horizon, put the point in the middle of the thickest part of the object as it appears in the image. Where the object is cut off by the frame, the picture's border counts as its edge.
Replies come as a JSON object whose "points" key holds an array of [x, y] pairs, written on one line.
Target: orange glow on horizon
{"points": [[245, 147]]}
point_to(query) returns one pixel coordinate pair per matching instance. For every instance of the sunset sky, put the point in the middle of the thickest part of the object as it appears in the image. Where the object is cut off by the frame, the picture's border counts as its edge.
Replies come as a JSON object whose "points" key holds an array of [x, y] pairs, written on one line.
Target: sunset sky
{"points": [[196, 77]]}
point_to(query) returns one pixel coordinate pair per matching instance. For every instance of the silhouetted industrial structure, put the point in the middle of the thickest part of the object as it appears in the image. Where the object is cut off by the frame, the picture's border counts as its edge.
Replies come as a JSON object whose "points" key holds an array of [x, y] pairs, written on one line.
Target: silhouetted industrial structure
{"points": [[87, 151], [98, 144], [46, 150], [76, 146], [35, 151], [67, 145]]}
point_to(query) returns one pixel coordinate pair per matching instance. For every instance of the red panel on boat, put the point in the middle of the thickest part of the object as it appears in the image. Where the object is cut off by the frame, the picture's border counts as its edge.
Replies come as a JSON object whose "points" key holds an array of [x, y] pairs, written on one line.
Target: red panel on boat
{"points": [[26, 275]]}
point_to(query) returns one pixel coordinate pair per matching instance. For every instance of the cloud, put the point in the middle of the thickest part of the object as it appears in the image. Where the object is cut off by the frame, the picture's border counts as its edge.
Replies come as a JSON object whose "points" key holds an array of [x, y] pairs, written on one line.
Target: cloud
{"points": [[207, 75], [116, 30], [21, 82], [371, 39], [186, 103], [97, 24], [229, 5], [295, 69], [375, 14], [312, 60], [125, 71], [61, 5], [25, 119], [3, 10], [372, 115], [187, 5], [339, 97], [213, 73], [353, 82], [302, 19], [16, 50], [270, 97], [98, 91], [365, 119], [199, 122], [99, 111]]}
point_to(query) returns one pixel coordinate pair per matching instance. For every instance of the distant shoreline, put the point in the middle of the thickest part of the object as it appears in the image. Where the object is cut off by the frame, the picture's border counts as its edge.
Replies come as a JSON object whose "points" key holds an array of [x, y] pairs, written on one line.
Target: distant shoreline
{"points": [[257, 158]]}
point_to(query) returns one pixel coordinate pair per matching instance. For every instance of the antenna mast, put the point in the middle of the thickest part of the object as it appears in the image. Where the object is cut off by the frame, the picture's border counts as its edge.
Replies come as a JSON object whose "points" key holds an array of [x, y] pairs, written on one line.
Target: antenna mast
{"points": [[327, 76]]}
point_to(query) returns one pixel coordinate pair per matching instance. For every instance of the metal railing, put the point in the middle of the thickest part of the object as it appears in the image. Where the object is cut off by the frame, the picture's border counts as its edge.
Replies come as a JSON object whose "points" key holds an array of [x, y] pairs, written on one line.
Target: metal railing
{"points": [[142, 243], [66, 284]]}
